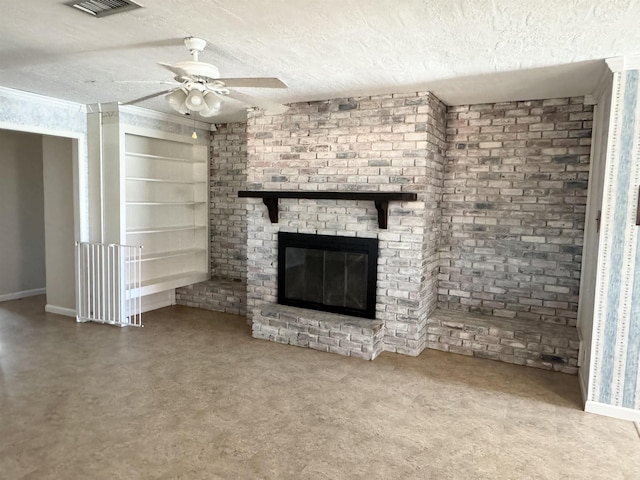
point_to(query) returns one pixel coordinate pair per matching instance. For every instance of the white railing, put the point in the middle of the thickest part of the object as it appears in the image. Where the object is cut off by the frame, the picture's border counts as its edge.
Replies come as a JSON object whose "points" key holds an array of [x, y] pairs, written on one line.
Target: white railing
{"points": [[108, 283]]}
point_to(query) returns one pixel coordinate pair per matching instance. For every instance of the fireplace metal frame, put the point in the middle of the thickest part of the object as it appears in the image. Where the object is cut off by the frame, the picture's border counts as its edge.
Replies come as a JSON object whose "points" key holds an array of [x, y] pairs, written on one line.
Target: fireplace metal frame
{"points": [[368, 246]]}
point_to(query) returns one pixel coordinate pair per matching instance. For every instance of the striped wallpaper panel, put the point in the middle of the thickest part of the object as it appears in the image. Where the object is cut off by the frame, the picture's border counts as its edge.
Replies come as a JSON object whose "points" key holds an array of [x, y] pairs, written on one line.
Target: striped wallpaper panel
{"points": [[615, 368]]}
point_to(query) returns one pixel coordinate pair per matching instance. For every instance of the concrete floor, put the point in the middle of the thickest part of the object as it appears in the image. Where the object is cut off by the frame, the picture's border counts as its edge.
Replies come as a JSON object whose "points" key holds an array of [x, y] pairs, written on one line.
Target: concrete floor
{"points": [[193, 396]]}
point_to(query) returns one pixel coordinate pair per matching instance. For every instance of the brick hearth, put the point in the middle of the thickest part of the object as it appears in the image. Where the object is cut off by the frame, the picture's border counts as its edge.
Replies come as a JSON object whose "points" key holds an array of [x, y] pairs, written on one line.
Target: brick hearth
{"points": [[523, 342], [218, 295], [329, 332]]}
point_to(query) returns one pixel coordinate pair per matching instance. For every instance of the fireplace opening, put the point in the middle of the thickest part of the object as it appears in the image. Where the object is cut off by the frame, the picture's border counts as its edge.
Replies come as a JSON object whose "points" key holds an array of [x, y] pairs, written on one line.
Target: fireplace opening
{"points": [[328, 273]]}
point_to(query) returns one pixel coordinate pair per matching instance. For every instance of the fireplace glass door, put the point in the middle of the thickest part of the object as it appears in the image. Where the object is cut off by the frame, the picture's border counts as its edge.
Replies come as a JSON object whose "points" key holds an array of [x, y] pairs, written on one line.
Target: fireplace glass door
{"points": [[328, 273]]}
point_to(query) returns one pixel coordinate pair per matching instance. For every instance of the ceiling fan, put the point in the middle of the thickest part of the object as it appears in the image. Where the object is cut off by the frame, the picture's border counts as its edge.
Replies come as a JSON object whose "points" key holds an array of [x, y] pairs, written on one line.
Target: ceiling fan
{"points": [[201, 89]]}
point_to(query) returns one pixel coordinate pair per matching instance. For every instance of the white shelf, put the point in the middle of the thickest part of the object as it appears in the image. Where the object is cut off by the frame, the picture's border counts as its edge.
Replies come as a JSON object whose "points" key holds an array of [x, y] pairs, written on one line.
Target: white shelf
{"points": [[175, 253], [164, 206], [136, 231], [162, 157], [166, 203], [170, 282], [163, 180]]}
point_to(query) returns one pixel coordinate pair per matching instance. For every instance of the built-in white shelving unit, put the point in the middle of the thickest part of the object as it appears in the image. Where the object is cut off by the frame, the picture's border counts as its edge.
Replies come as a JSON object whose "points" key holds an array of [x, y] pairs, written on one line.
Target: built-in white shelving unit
{"points": [[165, 208], [148, 186]]}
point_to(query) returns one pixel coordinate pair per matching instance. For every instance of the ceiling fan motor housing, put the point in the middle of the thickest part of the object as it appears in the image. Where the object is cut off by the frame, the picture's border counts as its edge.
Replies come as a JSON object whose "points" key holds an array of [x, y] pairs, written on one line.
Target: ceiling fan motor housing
{"points": [[203, 72], [195, 44]]}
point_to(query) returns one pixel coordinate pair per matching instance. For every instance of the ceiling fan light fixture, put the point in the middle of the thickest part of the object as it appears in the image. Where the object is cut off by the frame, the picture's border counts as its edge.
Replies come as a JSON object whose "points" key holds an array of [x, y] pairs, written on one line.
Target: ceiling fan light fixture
{"points": [[212, 105], [195, 100], [201, 89], [177, 101]]}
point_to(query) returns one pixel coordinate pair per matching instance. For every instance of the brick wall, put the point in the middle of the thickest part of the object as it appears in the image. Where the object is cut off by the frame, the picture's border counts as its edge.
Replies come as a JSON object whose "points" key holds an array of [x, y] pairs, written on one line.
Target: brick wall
{"points": [[515, 189], [227, 211], [436, 150], [381, 143]]}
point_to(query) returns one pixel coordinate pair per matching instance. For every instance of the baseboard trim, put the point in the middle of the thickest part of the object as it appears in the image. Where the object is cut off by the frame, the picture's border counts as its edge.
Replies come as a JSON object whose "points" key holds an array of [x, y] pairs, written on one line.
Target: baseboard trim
{"points": [[67, 312], [23, 294], [614, 411], [156, 304]]}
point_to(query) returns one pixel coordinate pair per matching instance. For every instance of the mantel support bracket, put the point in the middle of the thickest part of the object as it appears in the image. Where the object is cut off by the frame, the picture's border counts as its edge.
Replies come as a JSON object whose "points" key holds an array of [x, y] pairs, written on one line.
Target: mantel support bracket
{"points": [[383, 210], [272, 207]]}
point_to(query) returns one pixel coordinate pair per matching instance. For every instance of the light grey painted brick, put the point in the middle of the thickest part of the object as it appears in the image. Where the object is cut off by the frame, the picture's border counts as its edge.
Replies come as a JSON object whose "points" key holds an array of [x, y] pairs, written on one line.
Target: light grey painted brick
{"points": [[261, 335], [483, 182], [438, 346], [329, 341], [512, 343], [362, 355], [461, 350], [339, 350], [500, 349], [319, 346]]}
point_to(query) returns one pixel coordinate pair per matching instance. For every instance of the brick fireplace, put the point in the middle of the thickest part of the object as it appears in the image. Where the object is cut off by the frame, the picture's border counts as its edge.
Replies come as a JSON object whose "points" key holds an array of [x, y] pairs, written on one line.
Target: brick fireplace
{"points": [[496, 227], [390, 143]]}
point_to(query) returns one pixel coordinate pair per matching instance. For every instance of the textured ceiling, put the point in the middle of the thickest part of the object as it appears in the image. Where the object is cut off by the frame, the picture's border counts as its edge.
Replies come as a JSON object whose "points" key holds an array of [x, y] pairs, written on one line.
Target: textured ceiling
{"points": [[464, 51]]}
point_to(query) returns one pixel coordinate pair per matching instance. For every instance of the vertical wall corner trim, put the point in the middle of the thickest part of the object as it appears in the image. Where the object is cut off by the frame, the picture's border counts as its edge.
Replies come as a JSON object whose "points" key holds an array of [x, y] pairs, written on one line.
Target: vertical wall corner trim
{"points": [[583, 381]]}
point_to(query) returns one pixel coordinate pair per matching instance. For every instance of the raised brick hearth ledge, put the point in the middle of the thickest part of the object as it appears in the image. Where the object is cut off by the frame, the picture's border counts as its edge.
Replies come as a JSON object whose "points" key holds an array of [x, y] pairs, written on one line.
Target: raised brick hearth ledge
{"points": [[523, 342], [530, 343], [329, 332], [218, 295]]}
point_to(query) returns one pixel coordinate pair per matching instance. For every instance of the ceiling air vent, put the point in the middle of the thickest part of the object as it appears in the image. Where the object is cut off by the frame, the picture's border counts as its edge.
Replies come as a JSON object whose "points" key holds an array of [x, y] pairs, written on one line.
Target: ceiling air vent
{"points": [[102, 8]]}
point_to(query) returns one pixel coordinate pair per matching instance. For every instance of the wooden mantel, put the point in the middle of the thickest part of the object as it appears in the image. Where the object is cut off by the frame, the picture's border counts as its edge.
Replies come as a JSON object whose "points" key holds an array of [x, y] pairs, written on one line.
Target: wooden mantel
{"points": [[381, 199]]}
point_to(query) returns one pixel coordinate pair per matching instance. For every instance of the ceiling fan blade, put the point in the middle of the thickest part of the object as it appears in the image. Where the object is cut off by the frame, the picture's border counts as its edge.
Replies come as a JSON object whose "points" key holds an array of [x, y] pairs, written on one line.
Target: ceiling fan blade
{"points": [[154, 82], [160, 43], [150, 82], [39, 56], [267, 105], [179, 72], [149, 97], [257, 82]]}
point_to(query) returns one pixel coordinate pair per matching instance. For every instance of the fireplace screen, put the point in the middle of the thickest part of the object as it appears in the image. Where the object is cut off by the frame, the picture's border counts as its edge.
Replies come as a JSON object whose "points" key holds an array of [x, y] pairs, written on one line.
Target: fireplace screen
{"points": [[328, 273]]}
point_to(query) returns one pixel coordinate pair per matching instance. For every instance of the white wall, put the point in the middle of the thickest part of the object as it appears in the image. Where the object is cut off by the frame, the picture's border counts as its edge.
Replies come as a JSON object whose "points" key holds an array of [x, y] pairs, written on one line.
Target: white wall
{"points": [[22, 252], [58, 161], [601, 116]]}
